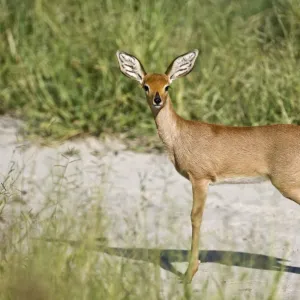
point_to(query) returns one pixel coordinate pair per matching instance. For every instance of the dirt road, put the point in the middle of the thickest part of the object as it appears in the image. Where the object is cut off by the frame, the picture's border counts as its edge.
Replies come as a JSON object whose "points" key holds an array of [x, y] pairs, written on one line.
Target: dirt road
{"points": [[148, 206]]}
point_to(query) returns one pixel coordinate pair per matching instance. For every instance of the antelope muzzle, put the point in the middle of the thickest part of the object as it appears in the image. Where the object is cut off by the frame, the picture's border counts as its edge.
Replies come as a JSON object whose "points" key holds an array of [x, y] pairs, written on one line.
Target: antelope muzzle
{"points": [[157, 100]]}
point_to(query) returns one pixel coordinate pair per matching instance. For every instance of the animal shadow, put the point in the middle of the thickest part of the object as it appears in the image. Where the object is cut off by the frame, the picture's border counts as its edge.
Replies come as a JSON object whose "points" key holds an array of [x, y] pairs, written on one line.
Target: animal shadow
{"points": [[165, 257]]}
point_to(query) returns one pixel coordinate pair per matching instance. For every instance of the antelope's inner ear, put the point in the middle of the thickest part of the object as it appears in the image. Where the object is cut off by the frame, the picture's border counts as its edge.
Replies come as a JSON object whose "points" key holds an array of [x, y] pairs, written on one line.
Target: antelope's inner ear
{"points": [[182, 65], [131, 66]]}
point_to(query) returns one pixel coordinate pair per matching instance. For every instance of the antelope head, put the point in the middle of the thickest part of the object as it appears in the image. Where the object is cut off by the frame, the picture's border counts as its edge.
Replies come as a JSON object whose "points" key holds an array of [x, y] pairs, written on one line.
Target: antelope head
{"points": [[155, 85]]}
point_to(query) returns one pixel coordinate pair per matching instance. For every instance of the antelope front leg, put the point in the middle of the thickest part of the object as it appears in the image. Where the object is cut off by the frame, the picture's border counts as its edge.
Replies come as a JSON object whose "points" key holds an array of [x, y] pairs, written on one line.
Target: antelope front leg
{"points": [[199, 197]]}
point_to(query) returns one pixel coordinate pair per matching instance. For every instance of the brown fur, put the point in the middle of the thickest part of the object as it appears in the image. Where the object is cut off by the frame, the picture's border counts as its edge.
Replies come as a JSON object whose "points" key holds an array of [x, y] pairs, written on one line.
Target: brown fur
{"points": [[208, 153]]}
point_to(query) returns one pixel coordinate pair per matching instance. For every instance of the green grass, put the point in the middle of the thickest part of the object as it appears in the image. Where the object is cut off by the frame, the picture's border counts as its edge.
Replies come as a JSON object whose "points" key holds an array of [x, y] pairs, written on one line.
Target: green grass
{"points": [[36, 263], [59, 70], [32, 267]]}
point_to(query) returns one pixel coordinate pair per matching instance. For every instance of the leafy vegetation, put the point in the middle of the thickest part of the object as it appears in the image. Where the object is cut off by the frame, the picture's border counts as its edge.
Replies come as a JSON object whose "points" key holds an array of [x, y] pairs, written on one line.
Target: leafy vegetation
{"points": [[60, 73]]}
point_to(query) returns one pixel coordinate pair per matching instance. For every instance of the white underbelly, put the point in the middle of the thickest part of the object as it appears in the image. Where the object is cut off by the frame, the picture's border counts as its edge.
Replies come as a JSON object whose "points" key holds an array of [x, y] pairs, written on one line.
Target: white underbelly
{"points": [[240, 180]]}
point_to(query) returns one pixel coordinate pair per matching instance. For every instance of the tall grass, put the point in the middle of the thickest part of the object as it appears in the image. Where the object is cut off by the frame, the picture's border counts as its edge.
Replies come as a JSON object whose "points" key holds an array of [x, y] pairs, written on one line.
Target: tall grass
{"points": [[59, 70], [38, 263]]}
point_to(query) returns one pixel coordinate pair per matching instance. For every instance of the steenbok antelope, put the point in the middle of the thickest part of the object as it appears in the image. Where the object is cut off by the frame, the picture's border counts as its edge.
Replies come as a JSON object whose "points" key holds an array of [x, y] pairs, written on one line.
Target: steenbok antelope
{"points": [[209, 153]]}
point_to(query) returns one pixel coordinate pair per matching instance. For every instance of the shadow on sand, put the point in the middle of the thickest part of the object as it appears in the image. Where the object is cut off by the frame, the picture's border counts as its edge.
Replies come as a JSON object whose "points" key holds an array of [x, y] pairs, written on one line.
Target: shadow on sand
{"points": [[165, 258]]}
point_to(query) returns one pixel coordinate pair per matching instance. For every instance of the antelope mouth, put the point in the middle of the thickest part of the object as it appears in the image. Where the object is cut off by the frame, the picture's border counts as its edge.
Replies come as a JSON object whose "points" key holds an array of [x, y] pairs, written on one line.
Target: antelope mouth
{"points": [[157, 105]]}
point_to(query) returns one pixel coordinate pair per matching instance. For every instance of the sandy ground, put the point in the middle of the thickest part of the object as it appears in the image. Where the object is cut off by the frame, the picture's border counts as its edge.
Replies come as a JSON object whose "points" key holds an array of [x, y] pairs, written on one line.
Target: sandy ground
{"points": [[148, 206]]}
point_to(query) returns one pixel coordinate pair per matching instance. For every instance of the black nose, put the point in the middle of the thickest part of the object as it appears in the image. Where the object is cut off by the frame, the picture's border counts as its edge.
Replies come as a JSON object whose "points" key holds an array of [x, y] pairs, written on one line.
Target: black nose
{"points": [[157, 99]]}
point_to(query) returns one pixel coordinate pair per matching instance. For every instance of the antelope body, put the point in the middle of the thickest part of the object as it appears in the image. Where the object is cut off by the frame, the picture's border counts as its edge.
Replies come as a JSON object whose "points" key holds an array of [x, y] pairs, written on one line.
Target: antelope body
{"points": [[210, 153]]}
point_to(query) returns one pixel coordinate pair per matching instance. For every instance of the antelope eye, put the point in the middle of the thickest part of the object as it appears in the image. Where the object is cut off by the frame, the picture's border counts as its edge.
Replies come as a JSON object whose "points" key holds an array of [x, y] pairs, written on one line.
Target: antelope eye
{"points": [[146, 88], [167, 88]]}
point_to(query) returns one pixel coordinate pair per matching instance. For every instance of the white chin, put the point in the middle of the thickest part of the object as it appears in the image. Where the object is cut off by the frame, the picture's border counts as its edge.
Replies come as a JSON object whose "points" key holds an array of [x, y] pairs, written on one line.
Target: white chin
{"points": [[156, 106]]}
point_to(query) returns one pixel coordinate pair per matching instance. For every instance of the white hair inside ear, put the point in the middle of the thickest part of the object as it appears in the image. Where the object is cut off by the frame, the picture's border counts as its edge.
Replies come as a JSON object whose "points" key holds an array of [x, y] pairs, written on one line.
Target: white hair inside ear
{"points": [[131, 66], [182, 65]]}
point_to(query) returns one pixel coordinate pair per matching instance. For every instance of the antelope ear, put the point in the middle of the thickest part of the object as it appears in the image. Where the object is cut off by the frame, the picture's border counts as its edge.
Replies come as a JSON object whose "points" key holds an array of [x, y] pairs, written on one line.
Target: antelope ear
{"points": [[182, 65], [131, 66]]}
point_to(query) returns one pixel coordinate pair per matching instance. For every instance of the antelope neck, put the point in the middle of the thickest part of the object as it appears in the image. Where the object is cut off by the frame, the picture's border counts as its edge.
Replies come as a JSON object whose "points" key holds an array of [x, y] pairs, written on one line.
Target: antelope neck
{"points": [[167, 122]]}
